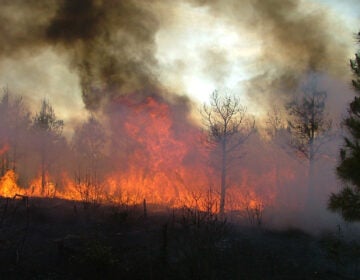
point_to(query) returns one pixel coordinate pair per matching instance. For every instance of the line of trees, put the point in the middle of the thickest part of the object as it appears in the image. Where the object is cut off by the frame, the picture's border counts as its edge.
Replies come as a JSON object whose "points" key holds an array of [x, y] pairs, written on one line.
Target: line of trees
{"points": [[305, 129], [35, 147], [37, 142], [308, 126]]}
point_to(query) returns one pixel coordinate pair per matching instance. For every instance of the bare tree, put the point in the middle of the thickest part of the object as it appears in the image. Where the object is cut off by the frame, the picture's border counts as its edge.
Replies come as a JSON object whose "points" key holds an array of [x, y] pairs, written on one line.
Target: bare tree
{"points": [[275, 123], [228, 126], [309, 126], [277, 136]]}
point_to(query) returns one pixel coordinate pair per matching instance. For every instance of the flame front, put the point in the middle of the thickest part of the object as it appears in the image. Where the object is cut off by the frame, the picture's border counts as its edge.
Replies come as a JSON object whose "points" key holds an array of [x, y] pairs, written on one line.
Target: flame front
{"points": [[163, 161], [8, 185]]}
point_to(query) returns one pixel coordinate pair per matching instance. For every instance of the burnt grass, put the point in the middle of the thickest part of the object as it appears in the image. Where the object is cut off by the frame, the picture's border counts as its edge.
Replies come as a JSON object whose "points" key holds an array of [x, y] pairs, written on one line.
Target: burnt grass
{"points": [[59, 239]]}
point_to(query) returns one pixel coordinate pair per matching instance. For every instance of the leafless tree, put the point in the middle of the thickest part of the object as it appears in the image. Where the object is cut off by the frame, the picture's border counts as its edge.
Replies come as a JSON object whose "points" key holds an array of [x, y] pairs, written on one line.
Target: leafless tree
{"points": [[228, 125], [277, 136], [309, 126], [275, 122]]}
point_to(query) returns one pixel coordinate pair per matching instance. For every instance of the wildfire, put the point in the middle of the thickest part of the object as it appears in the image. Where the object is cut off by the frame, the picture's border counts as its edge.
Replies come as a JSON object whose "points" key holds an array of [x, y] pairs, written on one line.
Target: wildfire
{"points": [[8, 185], [163, 162]]}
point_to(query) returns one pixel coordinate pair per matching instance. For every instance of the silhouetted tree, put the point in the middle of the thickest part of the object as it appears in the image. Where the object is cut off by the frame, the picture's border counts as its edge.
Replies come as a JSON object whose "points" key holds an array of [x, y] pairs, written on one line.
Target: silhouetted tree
{"points": [[275, 123], [309, 127], [88, 145], [48, 130], [347, 201], [15, 121], [228, 126], [277, 135]]}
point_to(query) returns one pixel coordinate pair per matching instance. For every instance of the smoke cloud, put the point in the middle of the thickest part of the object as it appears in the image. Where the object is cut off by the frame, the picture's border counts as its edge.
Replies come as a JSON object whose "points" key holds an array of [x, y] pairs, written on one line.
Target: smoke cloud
{"points": [[297, 38], [111, 44]]}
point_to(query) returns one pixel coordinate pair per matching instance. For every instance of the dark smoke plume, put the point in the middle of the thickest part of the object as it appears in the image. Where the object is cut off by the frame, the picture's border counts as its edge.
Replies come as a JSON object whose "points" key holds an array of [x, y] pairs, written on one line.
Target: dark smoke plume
{"points": [[111, 44], [23, 25]]}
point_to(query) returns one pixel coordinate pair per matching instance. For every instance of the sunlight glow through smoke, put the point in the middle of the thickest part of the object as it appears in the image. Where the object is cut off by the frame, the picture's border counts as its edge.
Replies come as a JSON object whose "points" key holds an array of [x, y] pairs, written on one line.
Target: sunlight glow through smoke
{"points": [[199, 53]]}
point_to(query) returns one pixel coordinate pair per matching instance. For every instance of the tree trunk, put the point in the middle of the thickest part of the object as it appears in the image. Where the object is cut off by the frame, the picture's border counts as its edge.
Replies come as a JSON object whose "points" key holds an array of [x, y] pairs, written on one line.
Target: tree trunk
{"points": [[43, 178], [14, 156], [311, 190], [223, 178], [43, 167], [281, 195], [311, 194], [3, 165]]}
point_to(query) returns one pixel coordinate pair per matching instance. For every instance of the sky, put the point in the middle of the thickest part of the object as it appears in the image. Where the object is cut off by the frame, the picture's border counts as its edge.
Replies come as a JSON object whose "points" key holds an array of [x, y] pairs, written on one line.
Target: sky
{"points": [[81, 54]]}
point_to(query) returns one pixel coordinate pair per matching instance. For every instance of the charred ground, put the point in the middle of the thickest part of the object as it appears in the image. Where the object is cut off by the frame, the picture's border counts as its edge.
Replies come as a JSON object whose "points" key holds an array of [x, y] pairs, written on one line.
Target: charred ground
{"points": [[42, 238]]}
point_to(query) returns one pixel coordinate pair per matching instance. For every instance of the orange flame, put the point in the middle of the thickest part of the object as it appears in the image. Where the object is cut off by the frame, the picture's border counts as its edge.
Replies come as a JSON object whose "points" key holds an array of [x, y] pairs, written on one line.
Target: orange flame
{"points": [[163, 165], [8, 185]]}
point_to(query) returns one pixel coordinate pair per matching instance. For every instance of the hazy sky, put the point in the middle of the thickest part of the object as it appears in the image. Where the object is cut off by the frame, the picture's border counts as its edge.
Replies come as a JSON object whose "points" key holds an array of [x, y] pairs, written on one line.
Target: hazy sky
{"points": [[189, 47]]}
